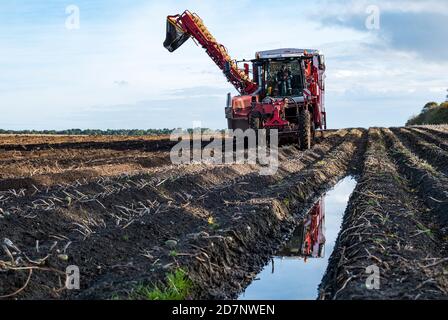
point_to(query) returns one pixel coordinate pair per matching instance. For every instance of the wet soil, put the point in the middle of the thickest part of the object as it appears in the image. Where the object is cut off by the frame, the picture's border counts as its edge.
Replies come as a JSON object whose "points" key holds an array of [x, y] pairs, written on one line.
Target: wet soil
{"points": [[121, 212], [392, 226]]}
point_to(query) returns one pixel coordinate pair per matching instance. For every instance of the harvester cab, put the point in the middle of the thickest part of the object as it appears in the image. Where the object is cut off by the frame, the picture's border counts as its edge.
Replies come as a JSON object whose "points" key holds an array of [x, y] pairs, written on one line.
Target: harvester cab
{"points": [[283, 90]]}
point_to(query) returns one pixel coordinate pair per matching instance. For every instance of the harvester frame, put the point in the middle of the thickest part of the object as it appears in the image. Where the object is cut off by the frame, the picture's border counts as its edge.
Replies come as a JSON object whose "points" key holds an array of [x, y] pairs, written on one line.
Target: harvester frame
{"points": [[285, 91]]}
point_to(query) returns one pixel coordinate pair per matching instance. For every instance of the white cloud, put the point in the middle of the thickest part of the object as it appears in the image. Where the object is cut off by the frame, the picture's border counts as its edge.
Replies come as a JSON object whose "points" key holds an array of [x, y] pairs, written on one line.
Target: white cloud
{"points": [[49, 73]]}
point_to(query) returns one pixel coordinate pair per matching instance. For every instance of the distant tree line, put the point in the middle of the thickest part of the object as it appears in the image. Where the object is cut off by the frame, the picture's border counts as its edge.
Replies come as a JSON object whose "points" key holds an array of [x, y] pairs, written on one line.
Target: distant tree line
{"points": [[97, 132], [432, 113]]}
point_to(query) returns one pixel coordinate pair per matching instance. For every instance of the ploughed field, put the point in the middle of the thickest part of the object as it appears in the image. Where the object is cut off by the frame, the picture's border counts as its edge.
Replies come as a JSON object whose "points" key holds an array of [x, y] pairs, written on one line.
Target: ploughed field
{"points": [[117, 208]]}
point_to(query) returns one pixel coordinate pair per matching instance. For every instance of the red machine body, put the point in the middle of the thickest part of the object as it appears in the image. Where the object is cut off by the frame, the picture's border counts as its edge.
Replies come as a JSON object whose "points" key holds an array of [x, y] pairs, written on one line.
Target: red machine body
{"points": [[314, 231], [285, 91], [308, 239]]}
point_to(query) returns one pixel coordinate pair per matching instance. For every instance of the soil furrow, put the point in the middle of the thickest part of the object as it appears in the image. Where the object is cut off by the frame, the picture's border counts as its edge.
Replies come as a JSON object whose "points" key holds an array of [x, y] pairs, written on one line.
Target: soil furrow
{"points": [[432, 186], [385, 230], [246, 231], [441, 132], [120, 145], [152, 165], [58, 163], [431, 153], [119, 210], [179, 179], [118, 203], [144, 225], [429, 137]]}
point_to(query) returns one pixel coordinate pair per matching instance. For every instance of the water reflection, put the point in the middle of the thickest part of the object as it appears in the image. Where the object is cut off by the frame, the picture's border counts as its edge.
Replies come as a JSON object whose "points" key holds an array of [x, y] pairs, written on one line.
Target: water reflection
{"points": [[308, 238], [296, 270]]}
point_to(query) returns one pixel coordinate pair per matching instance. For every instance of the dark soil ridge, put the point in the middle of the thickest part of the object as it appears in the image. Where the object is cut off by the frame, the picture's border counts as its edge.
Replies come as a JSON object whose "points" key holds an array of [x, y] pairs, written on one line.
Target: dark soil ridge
{"points": [[161, 144], [250, 230], [150, 164], [168, 176], [107, 243], [222, 204], [385, 225], [144, 145], [429, 137], [67, 157], [429, 152], [271, 221], [432, 186], [440, 131], [58, 163], [402, 197], [87, 173]]}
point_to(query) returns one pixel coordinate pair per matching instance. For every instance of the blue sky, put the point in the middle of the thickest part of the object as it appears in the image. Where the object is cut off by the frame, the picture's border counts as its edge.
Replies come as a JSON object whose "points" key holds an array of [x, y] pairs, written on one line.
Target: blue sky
{"points": [[113, 71]]}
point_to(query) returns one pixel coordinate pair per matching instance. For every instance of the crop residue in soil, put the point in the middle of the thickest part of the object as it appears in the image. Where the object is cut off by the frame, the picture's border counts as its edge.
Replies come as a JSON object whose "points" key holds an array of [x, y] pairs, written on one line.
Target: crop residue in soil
{"points": [[297, 269]]}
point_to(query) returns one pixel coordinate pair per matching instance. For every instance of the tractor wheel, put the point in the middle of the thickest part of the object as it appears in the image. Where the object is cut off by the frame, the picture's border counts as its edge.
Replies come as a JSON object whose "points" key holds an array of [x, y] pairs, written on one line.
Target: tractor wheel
{"points": [[305, 130]]}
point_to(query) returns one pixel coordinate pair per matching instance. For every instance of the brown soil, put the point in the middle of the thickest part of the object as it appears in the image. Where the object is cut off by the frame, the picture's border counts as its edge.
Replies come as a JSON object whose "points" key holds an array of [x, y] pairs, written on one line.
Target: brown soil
{"points": [[22, 139], [396, 220], [109, 204]]}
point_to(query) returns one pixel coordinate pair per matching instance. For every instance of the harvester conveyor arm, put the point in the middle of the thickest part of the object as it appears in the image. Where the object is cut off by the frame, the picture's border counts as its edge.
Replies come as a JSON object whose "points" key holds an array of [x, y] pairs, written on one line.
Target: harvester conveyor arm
{"points": [[181, 27]]}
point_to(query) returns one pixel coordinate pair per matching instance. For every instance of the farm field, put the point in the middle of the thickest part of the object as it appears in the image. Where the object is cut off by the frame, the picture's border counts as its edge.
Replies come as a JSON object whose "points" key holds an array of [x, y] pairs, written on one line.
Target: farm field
{"points": [[117, 208]]}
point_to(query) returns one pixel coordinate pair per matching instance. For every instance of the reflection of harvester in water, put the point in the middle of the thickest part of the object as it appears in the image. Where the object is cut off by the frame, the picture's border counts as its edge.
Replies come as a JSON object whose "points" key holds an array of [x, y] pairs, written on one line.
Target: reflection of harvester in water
{"points": [[308, 239]]}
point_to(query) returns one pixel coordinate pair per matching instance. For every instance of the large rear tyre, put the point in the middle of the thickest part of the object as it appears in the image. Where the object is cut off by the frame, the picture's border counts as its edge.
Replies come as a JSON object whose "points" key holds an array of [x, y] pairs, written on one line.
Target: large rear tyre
{"points": [[305, 132]]}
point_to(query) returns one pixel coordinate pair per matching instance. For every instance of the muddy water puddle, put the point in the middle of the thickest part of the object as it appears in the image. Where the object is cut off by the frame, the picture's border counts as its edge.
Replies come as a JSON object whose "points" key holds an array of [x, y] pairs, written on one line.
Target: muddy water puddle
{"points": [[296, 270]]}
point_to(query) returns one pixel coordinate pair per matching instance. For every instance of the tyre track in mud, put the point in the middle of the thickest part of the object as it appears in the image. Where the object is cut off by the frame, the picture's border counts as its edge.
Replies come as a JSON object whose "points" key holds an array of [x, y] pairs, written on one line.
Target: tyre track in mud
{"points": [[57, 220], [386, 226], [227, 221], [250, 228], [263, 222]]}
